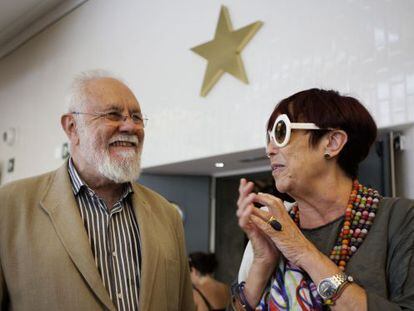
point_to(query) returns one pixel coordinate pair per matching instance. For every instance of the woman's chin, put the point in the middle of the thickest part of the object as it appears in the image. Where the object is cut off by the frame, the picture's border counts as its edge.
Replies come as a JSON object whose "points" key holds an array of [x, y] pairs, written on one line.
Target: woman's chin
{"points": [[281, 185]]}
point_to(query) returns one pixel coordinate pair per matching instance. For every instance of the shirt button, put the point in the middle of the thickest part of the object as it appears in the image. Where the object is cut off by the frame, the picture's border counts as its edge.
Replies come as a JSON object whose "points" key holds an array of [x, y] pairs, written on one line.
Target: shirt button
{"points": [[113, 254], [119, 295]]}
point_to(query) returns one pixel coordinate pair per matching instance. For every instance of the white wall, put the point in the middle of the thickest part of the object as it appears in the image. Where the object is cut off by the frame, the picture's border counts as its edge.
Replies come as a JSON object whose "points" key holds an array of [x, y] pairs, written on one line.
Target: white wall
{"points": [[363, 48]]}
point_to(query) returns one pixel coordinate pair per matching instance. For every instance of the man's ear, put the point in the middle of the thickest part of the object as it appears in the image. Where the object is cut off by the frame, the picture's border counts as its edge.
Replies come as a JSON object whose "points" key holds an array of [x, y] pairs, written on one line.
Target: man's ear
{"points": [[336, 140], [69, 126]]}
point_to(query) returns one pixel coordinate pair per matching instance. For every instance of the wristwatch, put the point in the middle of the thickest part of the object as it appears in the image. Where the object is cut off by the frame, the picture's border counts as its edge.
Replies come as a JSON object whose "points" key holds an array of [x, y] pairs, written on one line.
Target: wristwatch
{"points": [[330, 288]]}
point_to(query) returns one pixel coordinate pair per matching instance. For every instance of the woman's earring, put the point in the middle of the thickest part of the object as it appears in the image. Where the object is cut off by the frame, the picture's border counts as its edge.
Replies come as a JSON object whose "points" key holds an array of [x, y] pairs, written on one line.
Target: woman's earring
{"points": [[326, 155]]}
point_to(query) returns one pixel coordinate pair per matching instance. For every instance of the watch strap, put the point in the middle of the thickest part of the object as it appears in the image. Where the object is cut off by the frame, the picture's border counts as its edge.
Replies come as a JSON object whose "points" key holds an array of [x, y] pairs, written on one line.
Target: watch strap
{"points": [[339, 281], [348, 281]]}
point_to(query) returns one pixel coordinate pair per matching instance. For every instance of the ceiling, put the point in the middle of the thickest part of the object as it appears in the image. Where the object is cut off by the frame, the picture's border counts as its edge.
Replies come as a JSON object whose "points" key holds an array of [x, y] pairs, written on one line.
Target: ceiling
{"points": [[20, 20], [234, 164], [17, 15]]}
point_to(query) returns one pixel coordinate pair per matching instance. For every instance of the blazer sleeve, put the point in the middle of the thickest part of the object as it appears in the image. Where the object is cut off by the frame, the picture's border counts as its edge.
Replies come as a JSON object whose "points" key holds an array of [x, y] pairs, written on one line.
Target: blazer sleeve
{"points": [[3, 287], [3, 291], [186, 301]]}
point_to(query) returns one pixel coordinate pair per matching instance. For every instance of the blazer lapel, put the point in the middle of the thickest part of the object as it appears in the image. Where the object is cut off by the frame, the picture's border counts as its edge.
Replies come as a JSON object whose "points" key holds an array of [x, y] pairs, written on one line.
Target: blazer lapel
{"points": [[149, 248], [61, 206]]}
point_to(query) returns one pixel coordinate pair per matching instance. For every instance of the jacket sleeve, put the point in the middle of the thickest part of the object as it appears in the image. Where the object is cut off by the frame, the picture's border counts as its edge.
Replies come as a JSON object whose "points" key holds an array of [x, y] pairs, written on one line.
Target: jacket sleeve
{"points": [[3, 291], [186, 292], [400, 267], [3, 288]]}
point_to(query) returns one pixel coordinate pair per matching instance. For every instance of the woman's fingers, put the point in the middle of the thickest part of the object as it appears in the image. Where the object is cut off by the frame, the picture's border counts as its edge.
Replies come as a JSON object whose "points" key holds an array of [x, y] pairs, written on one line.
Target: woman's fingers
{"points": [[244, 202], [263, 215], [263, 225], [273, 231], [275, 205], [245, 188], [246, 207], [245, 196], [244, 218], [245, 210]]}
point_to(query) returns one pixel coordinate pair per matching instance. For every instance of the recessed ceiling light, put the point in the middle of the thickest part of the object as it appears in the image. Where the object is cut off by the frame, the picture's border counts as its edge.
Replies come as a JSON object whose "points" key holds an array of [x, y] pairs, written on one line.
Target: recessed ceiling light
{"points": [[219, 164]]}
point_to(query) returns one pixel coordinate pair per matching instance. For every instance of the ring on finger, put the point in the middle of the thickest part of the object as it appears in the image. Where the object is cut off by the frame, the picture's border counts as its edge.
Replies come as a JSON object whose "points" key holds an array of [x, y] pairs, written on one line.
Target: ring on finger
{"points": [[272, 221]]}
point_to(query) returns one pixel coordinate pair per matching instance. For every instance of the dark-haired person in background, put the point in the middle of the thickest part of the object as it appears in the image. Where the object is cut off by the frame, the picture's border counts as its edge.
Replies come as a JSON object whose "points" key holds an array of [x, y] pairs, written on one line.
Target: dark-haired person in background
{"points": [[341, 246], [209, 294]]}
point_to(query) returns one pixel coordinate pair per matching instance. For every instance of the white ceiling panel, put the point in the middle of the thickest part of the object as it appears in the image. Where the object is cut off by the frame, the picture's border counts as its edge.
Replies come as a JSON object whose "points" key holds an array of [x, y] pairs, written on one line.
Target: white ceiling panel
{"points": [[15, 16]]}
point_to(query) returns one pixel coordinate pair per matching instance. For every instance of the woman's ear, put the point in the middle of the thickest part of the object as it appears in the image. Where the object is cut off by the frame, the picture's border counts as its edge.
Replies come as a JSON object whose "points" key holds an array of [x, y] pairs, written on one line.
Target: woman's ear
{"points": [[69, 126], [335, 142]]}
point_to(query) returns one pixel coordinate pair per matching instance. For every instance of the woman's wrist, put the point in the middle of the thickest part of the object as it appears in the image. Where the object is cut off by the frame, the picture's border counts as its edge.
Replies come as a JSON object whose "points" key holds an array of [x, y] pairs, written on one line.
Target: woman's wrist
{"points": [[263, 266], [257, 279], [318, 266], [239, 299]]}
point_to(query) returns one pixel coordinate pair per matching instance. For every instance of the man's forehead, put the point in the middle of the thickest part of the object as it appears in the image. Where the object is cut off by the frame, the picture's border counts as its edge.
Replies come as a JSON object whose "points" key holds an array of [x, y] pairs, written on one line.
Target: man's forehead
{"points": [[110, 93], [106, 85]]}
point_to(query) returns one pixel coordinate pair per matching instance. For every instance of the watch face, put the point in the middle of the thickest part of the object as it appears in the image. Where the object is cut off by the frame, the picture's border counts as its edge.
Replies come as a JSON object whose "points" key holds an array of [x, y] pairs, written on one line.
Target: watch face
{"points": [[326, 289]]}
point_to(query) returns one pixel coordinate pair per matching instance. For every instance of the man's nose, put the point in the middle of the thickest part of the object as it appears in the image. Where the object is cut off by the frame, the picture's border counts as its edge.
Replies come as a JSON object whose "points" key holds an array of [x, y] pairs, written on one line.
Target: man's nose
{"points": [[128, 125], [126, 118]]}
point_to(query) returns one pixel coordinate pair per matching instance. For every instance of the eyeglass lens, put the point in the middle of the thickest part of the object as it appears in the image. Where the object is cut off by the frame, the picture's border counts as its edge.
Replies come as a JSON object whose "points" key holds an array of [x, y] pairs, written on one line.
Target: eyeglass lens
{"points": [[280, 131], [116, 117]]}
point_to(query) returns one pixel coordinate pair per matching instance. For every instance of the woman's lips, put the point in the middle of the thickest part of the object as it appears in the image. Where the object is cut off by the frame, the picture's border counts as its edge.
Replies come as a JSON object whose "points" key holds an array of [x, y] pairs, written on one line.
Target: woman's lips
{"points": [[276, 168]]}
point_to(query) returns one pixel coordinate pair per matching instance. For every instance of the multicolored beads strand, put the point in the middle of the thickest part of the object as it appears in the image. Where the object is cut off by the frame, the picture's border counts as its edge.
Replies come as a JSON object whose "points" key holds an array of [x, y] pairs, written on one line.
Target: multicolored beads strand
{"points": [[359, 216]]}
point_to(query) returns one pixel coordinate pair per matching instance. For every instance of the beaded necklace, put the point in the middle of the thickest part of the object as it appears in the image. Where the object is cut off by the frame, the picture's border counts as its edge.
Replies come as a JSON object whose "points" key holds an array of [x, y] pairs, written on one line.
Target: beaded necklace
{"points": [[359, 216]]}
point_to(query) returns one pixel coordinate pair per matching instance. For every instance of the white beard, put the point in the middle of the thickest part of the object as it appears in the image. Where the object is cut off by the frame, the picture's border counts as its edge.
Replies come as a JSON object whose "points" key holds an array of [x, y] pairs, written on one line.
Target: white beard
{"points": [[127, 169]]}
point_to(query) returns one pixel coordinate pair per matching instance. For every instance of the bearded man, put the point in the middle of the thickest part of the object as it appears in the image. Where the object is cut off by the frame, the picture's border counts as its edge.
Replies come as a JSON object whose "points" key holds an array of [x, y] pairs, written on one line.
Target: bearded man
{"points": [[86, 236]]}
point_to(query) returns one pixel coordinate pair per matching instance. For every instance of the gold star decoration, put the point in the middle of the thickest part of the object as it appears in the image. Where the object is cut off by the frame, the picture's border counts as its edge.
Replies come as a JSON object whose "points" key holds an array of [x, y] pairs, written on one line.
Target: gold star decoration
{"points": [[223, 52]]}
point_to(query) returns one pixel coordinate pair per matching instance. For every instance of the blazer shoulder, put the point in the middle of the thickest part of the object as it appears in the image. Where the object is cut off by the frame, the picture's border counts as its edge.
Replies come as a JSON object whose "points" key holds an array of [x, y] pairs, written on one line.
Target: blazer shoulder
{"points": [[155, 200], [148, 193], [399, 213], [26, 186], [398, 208]]}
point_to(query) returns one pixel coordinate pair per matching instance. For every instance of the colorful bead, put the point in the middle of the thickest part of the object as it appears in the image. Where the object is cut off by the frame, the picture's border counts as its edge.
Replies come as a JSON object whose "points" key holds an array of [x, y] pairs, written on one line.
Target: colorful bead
{"points": [[359, 216]]}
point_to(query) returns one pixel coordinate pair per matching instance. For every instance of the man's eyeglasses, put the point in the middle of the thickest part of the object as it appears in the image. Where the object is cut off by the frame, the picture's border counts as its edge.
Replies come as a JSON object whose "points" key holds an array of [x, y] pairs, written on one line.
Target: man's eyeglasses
{"points": [[136, 117], [282, 128]]}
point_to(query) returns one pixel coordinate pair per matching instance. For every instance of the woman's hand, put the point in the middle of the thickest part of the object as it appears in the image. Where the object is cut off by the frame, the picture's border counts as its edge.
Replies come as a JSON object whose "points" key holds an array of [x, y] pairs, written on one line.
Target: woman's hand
{"points": [[265, 254], [264, 250], [289, 241]]}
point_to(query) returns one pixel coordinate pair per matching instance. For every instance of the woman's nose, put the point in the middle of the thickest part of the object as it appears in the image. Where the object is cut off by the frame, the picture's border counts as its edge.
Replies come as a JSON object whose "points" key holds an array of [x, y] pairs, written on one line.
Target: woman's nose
{"points": [[271, 149]]}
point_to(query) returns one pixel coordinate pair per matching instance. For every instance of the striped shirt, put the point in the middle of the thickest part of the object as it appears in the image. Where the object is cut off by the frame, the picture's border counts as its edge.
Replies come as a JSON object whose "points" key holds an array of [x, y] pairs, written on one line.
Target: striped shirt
{"points": [[114, 239]]}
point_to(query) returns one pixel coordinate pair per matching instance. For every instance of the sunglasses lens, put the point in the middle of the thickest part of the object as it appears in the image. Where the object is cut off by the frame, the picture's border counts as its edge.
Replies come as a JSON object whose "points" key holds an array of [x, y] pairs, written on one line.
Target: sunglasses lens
{"points": [[280, 131]]}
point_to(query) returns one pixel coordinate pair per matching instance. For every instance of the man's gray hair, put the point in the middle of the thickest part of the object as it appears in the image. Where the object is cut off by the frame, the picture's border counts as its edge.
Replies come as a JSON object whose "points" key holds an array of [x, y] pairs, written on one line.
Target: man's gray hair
{"points": [[77, 98]]}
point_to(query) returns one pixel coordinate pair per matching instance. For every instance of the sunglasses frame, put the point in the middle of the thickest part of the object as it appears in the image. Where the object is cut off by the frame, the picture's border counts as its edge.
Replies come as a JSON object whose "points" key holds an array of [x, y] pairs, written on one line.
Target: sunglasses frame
{"points": [[289, 126]]}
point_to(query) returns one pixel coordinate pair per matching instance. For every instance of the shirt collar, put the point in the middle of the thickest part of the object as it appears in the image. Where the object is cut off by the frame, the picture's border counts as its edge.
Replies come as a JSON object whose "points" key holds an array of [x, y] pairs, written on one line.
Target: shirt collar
{"points": [[78, 183]]}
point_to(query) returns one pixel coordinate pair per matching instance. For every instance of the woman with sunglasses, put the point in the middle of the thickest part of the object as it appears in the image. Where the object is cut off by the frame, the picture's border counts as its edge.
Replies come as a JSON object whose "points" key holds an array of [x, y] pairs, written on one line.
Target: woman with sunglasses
{"points": [[341, 245]]}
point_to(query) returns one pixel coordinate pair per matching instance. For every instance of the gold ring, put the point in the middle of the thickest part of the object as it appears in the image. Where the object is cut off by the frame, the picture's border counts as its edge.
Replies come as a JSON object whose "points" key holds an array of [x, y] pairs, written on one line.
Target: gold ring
{"points": [[271, 219]]}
